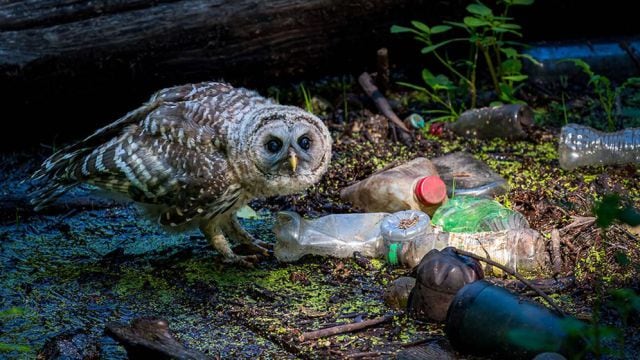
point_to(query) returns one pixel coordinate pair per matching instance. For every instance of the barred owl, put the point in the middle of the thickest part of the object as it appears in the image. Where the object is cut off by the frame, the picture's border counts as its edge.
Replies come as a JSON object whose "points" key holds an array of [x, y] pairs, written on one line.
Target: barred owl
{"points": [[194, 154]]}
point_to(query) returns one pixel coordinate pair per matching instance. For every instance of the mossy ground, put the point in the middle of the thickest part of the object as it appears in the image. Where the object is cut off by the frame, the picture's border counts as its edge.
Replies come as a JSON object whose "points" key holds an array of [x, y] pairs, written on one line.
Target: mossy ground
{"points": [[73, 271]]}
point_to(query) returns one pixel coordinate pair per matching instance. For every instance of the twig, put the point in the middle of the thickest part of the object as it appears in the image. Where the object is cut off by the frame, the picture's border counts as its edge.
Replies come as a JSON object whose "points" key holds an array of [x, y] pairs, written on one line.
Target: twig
{"points": [[555, 251], [383, 69], [579, 221], [381, 102], [317, 334], [368, 354], [514, 273]]}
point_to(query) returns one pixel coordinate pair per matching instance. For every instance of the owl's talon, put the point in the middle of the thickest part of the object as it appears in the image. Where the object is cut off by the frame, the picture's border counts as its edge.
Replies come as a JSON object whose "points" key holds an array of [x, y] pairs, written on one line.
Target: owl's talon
{"points": [[247, 261]]}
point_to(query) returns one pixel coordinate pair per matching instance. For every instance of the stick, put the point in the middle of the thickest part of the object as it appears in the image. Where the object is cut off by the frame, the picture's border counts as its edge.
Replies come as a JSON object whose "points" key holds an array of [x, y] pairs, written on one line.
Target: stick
{"points": [[555, 251], [381, 102], [514, 273], [383, 69], [339, 329]]}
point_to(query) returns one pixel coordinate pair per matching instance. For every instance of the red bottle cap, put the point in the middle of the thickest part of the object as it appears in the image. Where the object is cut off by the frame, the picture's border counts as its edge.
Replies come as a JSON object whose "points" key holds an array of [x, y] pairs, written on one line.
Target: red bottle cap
{"points": [[431, 190]]}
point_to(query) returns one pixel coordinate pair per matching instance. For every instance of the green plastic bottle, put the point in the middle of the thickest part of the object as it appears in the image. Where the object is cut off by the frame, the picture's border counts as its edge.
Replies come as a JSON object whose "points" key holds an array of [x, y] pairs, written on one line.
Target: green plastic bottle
{"points": [[470, 214]]}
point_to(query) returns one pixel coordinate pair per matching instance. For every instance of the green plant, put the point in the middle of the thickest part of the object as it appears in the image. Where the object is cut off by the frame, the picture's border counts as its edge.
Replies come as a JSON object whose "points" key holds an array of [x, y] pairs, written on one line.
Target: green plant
{"points": [[485, 34], [606, 92], [308, 104], [607, 211]]}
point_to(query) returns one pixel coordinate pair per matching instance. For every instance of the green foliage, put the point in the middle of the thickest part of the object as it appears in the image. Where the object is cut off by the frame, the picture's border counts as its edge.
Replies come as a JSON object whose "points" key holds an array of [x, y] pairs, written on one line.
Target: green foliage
{"points": [[485, 33], [609, 209], [308, 104], [606, 92]]}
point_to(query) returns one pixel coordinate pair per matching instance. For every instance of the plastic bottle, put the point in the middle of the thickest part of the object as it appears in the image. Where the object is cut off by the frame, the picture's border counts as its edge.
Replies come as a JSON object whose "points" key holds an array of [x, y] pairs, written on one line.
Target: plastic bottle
{"points": [[414, 185], [338, 235], [584, 146], [473, 214], [519, 249], [402, 227]]}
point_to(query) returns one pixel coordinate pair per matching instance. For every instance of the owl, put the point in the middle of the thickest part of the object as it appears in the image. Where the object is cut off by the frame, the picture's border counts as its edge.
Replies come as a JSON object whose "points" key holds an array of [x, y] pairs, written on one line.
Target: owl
{"points": [[193, 155]]}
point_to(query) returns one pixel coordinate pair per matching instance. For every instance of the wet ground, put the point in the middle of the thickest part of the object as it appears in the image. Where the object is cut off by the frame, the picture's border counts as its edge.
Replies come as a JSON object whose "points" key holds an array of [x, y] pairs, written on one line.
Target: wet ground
{"points": [[88, 261]]}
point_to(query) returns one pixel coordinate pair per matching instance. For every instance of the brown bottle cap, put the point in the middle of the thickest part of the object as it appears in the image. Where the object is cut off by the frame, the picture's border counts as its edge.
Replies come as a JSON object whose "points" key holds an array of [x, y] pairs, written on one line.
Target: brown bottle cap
{"points": [[431, 190]]}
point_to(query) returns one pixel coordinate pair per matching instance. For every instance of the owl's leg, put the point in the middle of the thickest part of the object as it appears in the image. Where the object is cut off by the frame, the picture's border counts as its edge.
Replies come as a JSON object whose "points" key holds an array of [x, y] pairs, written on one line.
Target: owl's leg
{"points": [[214, 234], [256, 245]]}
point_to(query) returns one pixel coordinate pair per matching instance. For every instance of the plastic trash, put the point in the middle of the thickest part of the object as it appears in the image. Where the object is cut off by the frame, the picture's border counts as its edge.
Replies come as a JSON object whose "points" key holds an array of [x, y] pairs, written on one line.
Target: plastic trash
{"points": [[475, 214], [505, 121], [338, 235], [402, 227], [439, 276], [520, 249], [414, 121], [485, 319], [414, 185], [584, 146], [465, 175]]}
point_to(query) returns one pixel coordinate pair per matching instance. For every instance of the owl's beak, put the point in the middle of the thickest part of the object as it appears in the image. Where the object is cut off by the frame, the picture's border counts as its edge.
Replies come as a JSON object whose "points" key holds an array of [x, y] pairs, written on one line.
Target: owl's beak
{"points": [[293, 160]]}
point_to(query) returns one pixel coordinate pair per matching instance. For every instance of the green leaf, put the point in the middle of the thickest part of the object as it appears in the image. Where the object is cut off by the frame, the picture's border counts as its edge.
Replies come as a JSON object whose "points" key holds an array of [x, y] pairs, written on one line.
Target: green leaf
{"points": [[430, 48], [421, 26], [474, 22], [515, 77], [607, 210], [511, 67], [519, 2], [440, 29], [439, 82], [412, 86], [621, 258], [509, 52], [530, 58], [479, 9], [395, 29], [511, 26]]}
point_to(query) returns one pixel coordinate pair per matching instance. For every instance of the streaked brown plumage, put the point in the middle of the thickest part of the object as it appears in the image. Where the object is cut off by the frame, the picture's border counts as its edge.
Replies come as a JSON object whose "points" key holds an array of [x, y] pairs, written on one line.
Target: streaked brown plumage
{"points": [[197, 153]]}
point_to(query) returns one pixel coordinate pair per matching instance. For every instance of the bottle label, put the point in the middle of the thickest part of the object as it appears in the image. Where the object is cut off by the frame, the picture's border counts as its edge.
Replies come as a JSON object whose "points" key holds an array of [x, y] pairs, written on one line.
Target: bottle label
{"points": [[392, 256]]}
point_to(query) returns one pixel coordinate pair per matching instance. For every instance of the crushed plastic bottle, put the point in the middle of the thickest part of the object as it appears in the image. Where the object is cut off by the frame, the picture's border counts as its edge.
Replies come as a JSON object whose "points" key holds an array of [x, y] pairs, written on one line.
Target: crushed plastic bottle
{"points": [[402, 227], [338, 235], [465, 175], [584, 146], [414, 185], [471, 214]]}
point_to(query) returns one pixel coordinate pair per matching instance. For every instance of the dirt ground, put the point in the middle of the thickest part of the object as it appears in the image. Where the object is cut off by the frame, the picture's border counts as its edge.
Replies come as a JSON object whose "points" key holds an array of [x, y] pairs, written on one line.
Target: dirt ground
{"points": [[90, 260]]}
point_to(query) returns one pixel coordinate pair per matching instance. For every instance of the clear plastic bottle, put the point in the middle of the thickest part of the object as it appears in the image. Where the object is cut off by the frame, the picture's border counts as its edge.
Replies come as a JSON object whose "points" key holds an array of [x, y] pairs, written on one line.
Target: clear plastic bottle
{"points": [[338, 235], [471, 214], [414, 185], [520, 249], [584, 146]]}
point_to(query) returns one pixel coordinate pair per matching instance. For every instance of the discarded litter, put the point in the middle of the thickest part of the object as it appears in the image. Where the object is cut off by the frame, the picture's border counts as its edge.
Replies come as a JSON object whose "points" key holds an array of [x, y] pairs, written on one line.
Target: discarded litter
{"points": [[505, 121], [338, 235], [439, 276], [475, 214], [485, 319], [584, 146], [414, 121], [465, 175], [402, 227], [414, 185]]}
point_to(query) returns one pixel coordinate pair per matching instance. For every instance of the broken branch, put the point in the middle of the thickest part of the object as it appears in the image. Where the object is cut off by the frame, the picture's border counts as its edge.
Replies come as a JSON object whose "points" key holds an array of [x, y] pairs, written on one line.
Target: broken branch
{"points": [[340, 329], [381, 102]]}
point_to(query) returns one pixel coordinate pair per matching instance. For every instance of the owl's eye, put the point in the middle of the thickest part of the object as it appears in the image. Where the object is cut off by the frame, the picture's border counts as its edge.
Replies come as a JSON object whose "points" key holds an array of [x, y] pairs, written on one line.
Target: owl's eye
{"points": [[274, 145], [304, 142]]}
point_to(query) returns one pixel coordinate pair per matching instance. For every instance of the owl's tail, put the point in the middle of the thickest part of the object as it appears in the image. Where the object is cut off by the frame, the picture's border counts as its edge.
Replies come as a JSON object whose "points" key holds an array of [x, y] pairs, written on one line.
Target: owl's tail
{"points": [[55, 177]]}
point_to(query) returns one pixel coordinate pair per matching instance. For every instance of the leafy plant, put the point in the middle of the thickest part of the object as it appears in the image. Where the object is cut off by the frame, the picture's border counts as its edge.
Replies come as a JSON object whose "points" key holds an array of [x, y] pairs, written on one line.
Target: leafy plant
{"points": [[606, 92], [485, 34]]}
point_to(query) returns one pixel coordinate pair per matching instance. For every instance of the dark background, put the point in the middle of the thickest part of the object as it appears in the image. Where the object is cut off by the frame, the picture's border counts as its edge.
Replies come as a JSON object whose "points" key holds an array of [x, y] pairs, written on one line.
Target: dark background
{"points": [[59, 99]]}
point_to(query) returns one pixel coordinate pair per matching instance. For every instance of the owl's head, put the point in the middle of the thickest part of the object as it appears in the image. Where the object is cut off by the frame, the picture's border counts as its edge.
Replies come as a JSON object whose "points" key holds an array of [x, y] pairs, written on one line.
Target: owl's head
{"points": [[288, 149]]}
